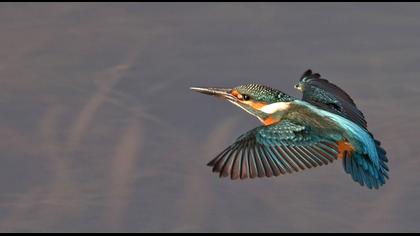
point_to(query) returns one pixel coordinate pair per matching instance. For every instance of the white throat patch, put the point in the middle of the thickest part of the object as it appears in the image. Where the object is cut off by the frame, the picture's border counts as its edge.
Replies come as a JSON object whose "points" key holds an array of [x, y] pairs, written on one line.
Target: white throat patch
{"points": [[275, 107]]}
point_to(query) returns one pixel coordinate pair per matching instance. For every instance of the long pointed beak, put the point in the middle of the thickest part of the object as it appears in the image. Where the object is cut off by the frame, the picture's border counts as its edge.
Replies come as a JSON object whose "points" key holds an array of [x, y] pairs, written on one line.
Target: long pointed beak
{"points": [[218, 92]]}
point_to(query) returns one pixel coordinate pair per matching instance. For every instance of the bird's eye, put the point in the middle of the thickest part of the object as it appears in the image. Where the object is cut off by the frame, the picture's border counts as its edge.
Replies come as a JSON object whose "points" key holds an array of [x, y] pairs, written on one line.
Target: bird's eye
{"points": [[246, 97]]}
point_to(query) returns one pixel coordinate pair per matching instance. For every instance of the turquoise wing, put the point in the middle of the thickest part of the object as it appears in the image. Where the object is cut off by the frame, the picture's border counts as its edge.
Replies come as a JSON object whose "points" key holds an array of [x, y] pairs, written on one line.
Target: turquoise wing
{"points": [[274, 150]]}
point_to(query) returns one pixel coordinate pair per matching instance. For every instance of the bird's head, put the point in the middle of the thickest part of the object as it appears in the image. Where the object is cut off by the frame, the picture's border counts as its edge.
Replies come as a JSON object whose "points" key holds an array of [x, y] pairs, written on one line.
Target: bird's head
{"points": [[258, 100]]}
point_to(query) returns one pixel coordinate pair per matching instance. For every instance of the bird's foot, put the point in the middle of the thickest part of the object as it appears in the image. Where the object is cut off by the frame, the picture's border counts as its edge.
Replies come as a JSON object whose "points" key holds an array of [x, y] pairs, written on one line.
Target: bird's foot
{"points": [[345, 149]]}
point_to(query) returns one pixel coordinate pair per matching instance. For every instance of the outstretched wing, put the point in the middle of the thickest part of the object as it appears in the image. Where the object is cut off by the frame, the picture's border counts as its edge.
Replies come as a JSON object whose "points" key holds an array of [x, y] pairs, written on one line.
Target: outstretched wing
{"points": [[274, 150], [328, 96]]}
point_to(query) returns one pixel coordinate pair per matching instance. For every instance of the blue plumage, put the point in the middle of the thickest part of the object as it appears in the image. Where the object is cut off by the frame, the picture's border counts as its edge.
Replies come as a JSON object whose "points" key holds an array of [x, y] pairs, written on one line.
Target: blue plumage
{"points": [[367, 167]]}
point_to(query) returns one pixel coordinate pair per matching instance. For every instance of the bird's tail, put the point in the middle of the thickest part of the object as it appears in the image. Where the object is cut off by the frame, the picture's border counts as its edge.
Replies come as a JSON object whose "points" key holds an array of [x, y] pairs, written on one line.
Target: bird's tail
{"points": [[366, 173]]}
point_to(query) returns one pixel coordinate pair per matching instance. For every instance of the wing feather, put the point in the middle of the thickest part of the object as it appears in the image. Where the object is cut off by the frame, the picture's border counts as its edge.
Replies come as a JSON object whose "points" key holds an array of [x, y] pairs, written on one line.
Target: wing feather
{"points": [[274, 150], [253, 171]]}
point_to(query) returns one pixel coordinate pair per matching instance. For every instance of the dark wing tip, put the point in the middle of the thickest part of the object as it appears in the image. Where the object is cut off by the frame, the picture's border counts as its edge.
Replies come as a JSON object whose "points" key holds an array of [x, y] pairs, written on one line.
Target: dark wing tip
{"points": [[305, 74], [308, 74]]}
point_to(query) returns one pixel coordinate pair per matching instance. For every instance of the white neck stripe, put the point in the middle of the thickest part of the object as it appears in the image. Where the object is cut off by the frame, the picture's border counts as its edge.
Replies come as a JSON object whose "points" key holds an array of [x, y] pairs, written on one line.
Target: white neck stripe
{"points": [[275, 107]]}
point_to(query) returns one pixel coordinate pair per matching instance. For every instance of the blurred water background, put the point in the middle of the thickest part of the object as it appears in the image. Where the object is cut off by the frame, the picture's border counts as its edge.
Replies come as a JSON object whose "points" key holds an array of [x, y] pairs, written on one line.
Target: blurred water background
{"points": [[100, 132]]}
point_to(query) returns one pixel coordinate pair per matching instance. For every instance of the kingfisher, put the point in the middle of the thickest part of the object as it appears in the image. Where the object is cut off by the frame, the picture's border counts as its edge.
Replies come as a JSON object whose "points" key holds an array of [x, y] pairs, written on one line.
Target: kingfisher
{"points": [[299, 134]]}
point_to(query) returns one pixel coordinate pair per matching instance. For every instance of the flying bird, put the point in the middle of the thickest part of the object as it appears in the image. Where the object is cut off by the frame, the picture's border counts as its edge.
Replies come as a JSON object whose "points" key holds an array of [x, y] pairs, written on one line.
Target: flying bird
{"points": [[325, 125]]}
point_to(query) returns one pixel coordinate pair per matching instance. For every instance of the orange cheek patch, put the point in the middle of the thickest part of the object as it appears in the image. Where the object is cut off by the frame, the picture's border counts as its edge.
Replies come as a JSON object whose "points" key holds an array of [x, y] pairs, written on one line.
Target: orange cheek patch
{"points": [[343, 148]]}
